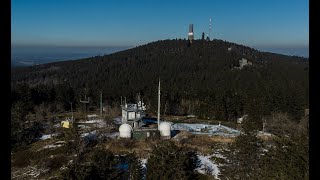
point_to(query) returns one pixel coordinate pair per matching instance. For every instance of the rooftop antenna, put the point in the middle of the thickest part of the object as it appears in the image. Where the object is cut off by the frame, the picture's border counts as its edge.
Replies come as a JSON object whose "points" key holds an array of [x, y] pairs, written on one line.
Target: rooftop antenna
{"points": [[159, 104]]}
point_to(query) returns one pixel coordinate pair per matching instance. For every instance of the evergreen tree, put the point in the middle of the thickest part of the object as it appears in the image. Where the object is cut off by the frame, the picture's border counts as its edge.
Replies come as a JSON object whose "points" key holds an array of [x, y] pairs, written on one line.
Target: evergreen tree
{"points": [[135, 167], [167, 161]]}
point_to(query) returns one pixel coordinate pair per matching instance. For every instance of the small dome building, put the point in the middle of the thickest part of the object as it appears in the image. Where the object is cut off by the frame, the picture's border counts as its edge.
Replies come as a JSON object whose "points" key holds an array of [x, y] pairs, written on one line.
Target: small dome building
{"points": [[125, 131], [165, 130]]}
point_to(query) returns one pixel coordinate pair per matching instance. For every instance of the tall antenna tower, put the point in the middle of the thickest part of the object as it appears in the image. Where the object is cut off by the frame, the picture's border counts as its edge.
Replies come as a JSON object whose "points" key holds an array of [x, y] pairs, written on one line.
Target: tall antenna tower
{"points": [[210, 28]]}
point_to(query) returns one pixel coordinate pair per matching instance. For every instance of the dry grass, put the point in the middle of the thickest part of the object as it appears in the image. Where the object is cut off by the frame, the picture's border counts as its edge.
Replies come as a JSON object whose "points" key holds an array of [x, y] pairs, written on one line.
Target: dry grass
{"points": [[222, 139], [204, 143], [124, 146]]}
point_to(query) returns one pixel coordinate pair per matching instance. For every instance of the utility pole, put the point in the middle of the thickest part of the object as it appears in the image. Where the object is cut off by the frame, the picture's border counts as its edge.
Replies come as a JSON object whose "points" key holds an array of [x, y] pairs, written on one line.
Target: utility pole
{"points": [[264, 124], [101, 104], [159, 104], [71, 113], [85, 101]]}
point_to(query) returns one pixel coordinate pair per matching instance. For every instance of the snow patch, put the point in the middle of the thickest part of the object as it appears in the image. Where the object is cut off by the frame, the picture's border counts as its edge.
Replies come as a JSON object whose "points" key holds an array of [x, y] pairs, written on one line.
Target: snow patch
{"points": [[261, 133], [144, 163], [207, 129], [218, 155], [28, 171], [57, 125], [90, 135], [50, 146], [99, 122], [83, 126], [208, 166], [47, 136], [92, 115], [117, 120], [60, 142]]}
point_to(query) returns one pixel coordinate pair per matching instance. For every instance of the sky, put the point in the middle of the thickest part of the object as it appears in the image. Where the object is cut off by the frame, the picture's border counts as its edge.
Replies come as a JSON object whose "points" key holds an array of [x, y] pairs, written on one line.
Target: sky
{"points": [[255, 23]]}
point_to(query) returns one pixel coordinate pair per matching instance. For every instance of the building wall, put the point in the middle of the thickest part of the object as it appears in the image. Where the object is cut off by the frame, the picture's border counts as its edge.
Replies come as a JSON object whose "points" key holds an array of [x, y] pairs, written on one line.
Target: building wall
{"points": [[124, 116], [131, 115]]}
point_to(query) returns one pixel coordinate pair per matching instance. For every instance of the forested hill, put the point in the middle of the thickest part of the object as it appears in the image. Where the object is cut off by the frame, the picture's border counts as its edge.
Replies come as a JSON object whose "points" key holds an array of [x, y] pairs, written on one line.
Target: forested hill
{"points": [[202, 78]]}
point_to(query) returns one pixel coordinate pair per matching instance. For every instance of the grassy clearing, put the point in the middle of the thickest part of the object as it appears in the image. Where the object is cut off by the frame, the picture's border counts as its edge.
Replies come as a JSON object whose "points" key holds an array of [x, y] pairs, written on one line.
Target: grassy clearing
{"points": [[123, 146], [204, 143]]}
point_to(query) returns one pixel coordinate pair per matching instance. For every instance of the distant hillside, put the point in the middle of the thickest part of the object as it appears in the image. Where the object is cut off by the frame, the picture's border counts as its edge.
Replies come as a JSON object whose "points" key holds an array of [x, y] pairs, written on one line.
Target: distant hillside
{"points": [[201, 78]]}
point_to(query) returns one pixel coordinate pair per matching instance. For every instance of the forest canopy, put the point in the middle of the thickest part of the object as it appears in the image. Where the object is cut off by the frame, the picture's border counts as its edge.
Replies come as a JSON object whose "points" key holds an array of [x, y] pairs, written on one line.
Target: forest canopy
{"points": [[202, 78]]}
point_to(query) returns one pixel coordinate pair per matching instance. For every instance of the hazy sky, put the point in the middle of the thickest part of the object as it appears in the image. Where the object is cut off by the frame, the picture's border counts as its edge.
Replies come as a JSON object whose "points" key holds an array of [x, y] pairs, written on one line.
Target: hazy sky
{"points": [[136, 22]]}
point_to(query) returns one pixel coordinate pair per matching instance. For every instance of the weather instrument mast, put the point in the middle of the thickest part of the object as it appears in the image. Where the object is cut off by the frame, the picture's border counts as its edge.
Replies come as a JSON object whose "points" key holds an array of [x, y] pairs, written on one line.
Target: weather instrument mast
{"points": [[158, 118]]}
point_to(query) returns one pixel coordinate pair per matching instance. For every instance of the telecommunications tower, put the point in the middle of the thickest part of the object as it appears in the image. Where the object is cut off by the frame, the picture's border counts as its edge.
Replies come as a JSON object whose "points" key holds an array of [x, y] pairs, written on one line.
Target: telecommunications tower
{"points": [[209, 29], [190, 33]]}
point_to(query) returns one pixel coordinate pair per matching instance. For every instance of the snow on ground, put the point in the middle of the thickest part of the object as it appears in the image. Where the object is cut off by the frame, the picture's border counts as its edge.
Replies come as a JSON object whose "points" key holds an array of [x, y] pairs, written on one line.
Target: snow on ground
{"points": [[83, 126], [99, 122], [261, 133], [90, 135], [208, 167], [144, 168], [93, 121], [117, 120], [25, 173], [144, 163], [57, 125], [218, 155], [60, 142], [207, 129], [92, 115], [50, 146], [47, 136]]}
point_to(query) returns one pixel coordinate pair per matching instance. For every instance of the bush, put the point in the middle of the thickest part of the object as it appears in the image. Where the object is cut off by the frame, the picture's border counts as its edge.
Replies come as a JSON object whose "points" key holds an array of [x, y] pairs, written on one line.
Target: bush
{"points": [[167, 161]]}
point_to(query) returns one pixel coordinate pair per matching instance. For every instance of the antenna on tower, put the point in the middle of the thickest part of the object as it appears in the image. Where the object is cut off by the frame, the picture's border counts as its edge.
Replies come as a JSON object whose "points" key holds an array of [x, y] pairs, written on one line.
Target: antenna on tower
{"points": [[209, 28]]}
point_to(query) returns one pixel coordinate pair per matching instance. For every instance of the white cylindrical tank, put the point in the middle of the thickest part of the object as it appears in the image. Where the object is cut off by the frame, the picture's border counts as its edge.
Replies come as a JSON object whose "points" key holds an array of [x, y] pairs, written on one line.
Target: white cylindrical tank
{"points": [[125, 131], [165, 130]]}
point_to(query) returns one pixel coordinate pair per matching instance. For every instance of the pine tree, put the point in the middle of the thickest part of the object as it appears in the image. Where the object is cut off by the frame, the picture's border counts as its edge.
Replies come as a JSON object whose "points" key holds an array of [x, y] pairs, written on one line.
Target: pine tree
{"points": [[135, 167], [168, 161]]}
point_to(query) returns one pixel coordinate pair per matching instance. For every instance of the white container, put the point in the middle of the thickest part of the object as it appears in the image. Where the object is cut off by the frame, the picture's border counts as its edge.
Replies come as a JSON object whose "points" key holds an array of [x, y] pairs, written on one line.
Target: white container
{"points": [[125, 131], [165, 129]]}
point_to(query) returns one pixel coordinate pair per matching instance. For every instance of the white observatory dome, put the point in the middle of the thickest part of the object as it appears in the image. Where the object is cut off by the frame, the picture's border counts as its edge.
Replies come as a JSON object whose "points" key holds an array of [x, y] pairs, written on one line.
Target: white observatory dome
{"points": [[165, 129], [125, 131]]}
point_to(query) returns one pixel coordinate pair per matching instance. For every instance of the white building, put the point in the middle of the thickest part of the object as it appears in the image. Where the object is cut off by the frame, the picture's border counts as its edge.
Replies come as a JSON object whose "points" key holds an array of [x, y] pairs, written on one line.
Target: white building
{"points": [[132, 114]]}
